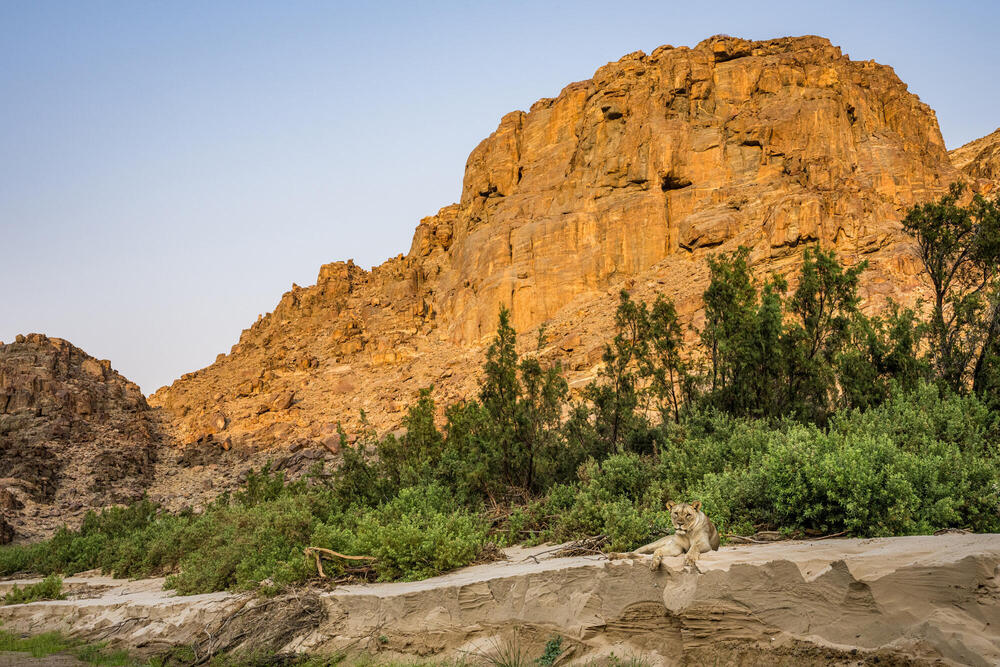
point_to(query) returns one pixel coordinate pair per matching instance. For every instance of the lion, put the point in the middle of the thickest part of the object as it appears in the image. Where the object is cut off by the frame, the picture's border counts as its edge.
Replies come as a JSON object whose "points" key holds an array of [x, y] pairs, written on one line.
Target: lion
{"points": [[694, 534]]}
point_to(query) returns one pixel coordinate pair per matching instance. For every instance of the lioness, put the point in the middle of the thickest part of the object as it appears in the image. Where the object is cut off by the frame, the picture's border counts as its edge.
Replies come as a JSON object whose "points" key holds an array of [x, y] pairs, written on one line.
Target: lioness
{"points": [[693, 534]]}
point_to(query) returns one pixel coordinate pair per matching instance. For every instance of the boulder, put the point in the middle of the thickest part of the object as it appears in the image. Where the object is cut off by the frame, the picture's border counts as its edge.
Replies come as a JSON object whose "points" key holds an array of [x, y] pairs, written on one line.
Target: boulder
{"points": [[332, 444], [570, 342], [9, 501], [282, 401]]}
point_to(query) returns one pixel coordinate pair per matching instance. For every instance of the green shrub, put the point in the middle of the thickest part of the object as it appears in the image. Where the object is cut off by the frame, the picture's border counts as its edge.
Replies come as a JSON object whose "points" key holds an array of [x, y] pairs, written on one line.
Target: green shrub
{"points": [[553, 649], [622, 498], [237, 547], [904, 468], [16, 558], [920, 461], [49, 588], [419, 533], [710, 441]]}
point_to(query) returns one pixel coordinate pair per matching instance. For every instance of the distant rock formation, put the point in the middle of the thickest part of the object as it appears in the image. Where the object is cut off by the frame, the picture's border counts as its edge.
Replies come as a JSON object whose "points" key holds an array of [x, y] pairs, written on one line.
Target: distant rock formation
{"points": [[979, 160], [627, 180], [74, 434], [773, 144]]}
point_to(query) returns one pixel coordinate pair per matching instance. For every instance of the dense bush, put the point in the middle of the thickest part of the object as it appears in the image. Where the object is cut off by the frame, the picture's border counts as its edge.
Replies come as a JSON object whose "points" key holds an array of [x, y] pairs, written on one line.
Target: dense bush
{"points": [[923, 460], [917, 463], [421, 532], [623, 497], [259, 534]]}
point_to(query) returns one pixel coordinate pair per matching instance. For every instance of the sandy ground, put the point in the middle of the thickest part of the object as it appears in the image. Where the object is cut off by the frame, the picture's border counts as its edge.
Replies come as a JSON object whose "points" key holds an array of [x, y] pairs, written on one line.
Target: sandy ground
{"points": [[909, 600]]}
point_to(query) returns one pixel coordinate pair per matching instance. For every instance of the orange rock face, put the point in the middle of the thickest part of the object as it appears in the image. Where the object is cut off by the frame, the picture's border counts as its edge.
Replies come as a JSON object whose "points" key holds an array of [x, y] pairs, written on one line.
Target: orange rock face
{"points": [[774, 143], [979, 161], [629, 179]]}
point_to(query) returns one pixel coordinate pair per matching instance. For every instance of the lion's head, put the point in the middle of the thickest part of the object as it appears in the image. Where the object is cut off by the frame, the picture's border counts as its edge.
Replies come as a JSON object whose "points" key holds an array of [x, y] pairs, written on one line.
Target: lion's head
{"points": [[684, 515]]}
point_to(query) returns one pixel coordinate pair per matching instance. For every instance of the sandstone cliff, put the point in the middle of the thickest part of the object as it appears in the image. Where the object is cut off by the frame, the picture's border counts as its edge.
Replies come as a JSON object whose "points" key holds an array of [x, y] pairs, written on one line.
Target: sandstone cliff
{"points": [[74, 435], [979, 161], [628, 179]]}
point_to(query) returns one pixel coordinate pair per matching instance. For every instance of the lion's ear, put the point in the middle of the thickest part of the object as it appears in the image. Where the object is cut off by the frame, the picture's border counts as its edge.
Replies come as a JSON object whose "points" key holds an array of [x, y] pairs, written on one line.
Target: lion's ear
{"points": [[696, 505], [670, 504]]}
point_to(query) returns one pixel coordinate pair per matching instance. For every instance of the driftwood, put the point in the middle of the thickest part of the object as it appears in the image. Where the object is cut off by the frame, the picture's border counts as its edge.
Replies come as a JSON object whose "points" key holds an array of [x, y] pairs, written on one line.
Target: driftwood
{"points": [[318, 552], [827, 537], [742, 539], [771, 536], [588, 546]]}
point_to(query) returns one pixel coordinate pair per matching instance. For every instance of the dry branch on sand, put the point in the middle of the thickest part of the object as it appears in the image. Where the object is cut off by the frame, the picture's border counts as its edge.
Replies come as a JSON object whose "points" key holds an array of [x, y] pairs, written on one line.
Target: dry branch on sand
{"points": [[258, 625], [319, 552]]}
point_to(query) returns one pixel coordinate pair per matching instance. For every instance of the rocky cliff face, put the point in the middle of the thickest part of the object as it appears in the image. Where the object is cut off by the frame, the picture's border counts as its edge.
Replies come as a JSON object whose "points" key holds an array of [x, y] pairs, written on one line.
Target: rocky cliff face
{"points": [[979, 161], [772, 143], [74, 434], [628, 179]]}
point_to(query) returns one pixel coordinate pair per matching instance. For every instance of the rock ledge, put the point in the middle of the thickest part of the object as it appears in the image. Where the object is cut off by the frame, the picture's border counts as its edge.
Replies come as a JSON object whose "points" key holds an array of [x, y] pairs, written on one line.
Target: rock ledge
{"points": [[914, 600]]}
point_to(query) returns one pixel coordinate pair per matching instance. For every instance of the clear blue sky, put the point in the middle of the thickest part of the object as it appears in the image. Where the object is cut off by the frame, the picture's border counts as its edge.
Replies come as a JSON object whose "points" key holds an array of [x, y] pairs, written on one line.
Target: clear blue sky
{"points": [[168, 169]]}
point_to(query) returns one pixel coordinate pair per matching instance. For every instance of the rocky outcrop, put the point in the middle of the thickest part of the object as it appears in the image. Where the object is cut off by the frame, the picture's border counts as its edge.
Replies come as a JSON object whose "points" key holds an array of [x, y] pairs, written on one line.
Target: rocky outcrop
{"points": [[909, 600], [772, 144], [74, 435], [628, 179], [979, 161]]}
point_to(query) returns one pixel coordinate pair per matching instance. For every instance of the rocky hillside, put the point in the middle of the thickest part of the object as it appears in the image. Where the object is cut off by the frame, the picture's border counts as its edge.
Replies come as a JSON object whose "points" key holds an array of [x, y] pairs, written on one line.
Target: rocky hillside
{"points": [[979, 160], [628, 179], [74, 434]]}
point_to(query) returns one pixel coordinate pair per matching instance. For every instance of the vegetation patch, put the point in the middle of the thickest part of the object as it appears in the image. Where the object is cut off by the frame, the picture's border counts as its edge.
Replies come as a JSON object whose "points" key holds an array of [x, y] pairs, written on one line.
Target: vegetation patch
{"points": [[49, 588], [39, 646]]}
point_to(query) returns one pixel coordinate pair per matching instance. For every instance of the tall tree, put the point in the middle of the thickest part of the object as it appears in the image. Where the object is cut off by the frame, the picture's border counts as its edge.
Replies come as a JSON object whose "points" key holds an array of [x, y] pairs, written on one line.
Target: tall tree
{"points": [[616, 399], [544, 392], [744, 337], [960, 251], [501, 391], [823, 308], [523, 401], [669, 371]]}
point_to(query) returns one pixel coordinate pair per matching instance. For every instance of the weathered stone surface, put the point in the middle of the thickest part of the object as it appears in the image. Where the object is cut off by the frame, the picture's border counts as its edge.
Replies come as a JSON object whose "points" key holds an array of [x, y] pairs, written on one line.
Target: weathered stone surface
{"points": [[217, 421], [979, 160], [7, 533], [570, 342], [626, 180], [332, 444], [282, 401], [9, 500], [74, 434], [771, 144]]}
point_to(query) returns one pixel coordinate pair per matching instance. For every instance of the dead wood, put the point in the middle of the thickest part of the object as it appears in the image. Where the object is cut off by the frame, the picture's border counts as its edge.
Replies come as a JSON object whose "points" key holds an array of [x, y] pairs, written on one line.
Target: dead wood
{"points": [[318, 552]]}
